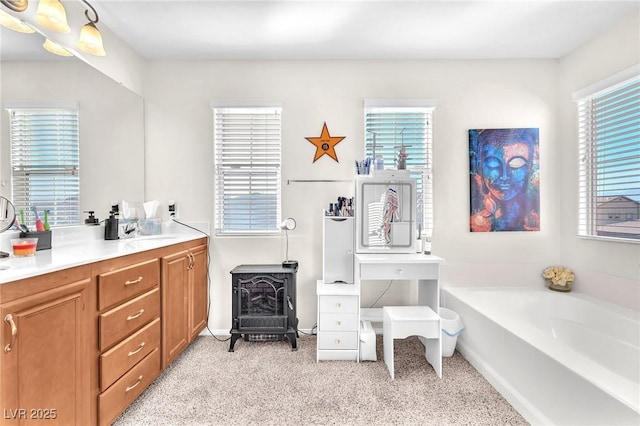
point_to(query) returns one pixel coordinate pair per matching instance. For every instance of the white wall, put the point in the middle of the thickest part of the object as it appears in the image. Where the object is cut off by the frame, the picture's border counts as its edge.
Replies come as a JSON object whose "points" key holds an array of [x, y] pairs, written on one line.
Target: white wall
{"points": [[608, 270], [469, 94]]}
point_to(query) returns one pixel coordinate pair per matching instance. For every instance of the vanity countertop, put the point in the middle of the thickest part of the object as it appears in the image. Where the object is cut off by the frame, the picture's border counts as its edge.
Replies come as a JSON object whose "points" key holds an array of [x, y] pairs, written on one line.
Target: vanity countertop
{"points": [[70, 252]]}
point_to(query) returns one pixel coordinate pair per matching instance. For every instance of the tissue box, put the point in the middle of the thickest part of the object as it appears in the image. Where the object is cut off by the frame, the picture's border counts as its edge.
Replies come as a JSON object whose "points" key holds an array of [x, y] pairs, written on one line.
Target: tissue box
{"points": [[44, 239], [150, 226]]}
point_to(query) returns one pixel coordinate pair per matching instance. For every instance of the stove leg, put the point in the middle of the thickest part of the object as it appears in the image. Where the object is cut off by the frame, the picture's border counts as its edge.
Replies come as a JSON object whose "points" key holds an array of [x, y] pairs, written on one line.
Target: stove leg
{"points": [[234, 338], [292, 339]]}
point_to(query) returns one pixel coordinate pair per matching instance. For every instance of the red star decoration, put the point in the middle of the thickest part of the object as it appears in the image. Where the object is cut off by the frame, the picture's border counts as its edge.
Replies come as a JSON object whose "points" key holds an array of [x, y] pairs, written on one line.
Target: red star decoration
{"points": [[325, 144]]}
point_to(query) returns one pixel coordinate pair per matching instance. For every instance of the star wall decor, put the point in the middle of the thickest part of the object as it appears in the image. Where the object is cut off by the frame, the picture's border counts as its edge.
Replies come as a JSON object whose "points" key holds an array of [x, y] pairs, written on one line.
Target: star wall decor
{"points": [[325, 144]]}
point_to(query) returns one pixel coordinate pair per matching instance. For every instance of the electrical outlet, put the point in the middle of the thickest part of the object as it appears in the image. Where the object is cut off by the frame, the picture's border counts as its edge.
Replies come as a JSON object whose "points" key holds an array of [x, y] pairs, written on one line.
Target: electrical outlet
{"points": [[173, 209]]}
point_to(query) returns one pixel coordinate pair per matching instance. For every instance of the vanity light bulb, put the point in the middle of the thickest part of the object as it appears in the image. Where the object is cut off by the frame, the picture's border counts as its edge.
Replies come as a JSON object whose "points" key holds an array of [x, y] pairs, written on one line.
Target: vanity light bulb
{"points": [[55, 48], [90, 40], [14, 24], [51, 15]]}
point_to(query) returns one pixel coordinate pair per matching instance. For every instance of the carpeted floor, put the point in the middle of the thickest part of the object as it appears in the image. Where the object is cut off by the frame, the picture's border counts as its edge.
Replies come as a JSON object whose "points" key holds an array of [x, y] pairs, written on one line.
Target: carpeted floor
{"points": [[265, 383]]}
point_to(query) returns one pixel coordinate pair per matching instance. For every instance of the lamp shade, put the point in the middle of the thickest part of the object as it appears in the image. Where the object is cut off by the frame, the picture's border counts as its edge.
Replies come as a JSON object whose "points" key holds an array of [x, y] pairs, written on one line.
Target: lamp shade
{"points": [[14, 24], [51, 15], [289, 224], [55, 48], [90, 40]]}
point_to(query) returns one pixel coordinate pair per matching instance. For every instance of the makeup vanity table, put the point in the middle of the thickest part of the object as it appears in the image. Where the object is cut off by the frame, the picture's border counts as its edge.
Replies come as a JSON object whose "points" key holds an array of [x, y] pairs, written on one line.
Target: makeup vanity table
{"points": [[349, 263]]}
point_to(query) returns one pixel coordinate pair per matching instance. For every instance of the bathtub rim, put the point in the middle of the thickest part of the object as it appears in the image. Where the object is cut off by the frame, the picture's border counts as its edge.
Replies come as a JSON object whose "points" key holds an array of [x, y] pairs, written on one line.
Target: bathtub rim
{"points": [[622, 389]]}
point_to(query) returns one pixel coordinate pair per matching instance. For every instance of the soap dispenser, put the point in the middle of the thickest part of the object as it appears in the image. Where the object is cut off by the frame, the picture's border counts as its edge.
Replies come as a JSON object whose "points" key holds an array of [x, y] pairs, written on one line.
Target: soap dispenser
{"points": [[111, 226]]}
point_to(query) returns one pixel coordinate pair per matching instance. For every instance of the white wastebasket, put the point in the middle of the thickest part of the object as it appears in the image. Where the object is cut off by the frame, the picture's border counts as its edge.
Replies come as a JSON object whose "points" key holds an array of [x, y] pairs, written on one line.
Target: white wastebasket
{"points": [[451, 328]]}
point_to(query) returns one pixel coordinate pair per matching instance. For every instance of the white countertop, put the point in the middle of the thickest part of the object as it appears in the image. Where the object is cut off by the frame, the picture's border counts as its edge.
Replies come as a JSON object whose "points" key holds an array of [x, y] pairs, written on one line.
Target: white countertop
{"points": [[81, 246]]}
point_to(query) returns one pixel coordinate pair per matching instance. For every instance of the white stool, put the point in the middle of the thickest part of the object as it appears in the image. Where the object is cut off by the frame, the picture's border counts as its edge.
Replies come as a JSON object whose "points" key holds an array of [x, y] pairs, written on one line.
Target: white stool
{"points": [[400, 322]]}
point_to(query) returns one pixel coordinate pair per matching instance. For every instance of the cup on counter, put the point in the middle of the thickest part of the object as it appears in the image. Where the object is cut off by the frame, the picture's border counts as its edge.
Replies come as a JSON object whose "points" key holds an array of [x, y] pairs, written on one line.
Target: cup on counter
{"points": [[24, 246], [150, 226]]}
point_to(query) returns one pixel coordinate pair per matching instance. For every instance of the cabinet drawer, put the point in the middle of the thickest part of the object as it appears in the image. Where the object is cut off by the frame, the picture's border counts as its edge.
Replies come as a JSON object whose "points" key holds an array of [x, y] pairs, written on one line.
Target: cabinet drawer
{"points": [[118, 360], [338, 322], [399, 271], [337, 304], [122, 284], [338, 340], [120, 322], [112, 402]]}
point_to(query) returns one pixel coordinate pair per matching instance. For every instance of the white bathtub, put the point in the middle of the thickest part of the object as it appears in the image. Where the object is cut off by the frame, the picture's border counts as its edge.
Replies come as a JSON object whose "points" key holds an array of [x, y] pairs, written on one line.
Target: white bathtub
{"points": [[558, 358]]}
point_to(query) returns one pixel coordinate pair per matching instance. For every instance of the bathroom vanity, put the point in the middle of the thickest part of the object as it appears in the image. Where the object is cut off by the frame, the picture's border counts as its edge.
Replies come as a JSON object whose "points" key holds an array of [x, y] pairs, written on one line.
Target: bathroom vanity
{"points": [[87, 327]]}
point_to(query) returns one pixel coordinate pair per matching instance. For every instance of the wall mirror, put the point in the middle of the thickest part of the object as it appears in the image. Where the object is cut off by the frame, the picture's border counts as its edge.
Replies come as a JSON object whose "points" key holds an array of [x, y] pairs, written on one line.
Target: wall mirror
{"points": [[111, 121]]}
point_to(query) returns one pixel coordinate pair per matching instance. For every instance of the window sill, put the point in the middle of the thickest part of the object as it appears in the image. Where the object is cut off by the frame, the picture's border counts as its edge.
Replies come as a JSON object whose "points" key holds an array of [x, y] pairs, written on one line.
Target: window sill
{"points": [[609, 239]]}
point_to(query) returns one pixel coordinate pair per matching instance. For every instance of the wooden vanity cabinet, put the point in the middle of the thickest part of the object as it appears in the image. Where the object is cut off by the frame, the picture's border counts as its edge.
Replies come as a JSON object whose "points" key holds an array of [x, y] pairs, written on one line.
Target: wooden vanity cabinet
{"points": [[184, 299], [44, 358], [77, 346], [128, 302], [198, 288]]}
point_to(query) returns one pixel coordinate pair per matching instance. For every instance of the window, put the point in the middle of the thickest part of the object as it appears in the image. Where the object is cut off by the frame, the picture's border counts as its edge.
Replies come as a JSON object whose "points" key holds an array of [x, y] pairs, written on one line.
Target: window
{"points": [[393, 124], [45, 162], [247, 150], [609, 149]]}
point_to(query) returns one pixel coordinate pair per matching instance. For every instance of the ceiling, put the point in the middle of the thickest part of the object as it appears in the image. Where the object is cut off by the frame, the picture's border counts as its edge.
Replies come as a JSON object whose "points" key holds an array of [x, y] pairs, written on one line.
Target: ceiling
{"points": [[347, 29]]}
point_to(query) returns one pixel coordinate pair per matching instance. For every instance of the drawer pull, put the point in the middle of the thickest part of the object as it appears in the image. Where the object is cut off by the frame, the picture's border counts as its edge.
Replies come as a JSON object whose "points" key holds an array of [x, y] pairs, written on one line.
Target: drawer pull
{"points": [[400, 271], [14, 332], [136, 281], [338, 305], [337, 341], [136, 315], [338, 322], [134, 385], [137, 350]]}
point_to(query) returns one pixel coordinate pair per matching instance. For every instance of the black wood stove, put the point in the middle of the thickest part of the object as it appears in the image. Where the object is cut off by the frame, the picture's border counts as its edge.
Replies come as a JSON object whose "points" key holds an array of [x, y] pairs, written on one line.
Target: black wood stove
{"points": [[264, 303]]}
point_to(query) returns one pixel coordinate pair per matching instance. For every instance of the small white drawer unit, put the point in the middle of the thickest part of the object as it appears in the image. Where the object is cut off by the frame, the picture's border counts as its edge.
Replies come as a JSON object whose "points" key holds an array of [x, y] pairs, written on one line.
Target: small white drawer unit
{"points": [[338, 310]]}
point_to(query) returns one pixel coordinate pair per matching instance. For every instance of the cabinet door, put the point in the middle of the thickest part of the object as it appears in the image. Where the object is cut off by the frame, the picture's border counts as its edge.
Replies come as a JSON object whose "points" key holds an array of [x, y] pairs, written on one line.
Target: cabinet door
{"points": [[199, 296], [44, 358], [175, 306], [337, 250]]}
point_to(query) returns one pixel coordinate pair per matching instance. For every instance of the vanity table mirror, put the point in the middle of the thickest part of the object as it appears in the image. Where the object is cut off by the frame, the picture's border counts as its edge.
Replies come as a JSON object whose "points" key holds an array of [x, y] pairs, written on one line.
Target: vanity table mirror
{"points": [[386, 209], [111, 120]]}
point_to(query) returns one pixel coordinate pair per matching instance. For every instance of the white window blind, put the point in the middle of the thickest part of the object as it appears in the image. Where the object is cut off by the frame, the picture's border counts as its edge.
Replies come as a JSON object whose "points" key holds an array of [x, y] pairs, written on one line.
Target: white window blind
{"points": [[609, 153], [411, 126], [247, 153], [45, 162]]}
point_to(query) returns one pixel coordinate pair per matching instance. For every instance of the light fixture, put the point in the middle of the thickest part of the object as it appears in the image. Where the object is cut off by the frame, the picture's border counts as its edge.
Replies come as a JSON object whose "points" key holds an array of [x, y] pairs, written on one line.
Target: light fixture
{"points": [[289, 224], [51, 15], [16, 5], [14, 24], [90, 40], [55, 48]]}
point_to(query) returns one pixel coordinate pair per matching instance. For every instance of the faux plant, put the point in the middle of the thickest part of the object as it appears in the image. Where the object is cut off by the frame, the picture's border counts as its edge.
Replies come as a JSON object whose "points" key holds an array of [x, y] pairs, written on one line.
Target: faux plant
{"points": [[559, 275]]}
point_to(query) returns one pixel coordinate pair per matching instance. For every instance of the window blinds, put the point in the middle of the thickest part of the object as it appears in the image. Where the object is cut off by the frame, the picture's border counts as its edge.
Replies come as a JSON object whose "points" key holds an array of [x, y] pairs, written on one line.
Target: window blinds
{"points": [[45, 164], [247, 167], [394, 127], [609, 152]]}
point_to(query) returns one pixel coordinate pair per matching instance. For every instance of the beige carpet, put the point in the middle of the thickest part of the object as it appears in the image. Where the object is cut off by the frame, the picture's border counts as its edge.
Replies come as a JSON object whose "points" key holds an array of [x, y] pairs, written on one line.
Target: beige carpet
{"points": [[265, 383]]}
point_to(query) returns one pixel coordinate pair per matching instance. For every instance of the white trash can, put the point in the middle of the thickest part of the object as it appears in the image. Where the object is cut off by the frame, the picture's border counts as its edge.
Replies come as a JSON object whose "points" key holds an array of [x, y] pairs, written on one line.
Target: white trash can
{"points": [[451, 328]]}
